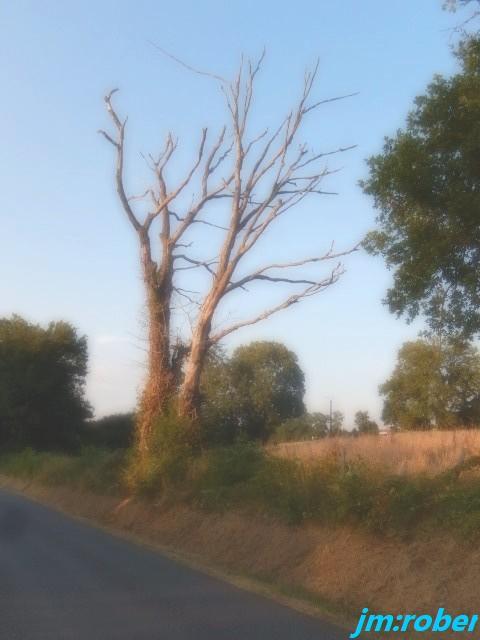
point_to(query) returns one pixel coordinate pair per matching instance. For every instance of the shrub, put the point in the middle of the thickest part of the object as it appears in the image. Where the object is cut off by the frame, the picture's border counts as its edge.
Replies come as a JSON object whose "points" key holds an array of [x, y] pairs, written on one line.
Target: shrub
{"points": [[92, 469], [23, 464], [115, 431], [400, 503], [165, 464], [228, 466], [280, 488], [224, 473]]}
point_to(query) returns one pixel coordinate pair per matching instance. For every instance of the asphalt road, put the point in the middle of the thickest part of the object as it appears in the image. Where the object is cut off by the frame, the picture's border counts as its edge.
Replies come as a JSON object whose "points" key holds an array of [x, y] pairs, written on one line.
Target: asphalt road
{"points": [[64, 580]]}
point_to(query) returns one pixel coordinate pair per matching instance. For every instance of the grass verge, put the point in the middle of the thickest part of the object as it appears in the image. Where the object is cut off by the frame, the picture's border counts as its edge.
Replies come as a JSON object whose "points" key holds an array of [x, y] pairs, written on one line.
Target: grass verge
{"points": [[331, 492]]}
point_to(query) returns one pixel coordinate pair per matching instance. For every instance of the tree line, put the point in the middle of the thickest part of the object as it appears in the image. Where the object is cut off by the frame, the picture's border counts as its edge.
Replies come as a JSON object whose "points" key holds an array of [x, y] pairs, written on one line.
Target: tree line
{"points": [[255, 394]]}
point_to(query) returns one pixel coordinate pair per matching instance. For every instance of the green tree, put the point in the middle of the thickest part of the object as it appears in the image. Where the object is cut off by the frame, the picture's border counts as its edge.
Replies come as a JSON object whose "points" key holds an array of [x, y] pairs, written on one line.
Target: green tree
{"points": [[364, 424], [42, 378], [426, 188], [309, 426], [254, 391], [433, 385], [218, 400], [115, 431]]}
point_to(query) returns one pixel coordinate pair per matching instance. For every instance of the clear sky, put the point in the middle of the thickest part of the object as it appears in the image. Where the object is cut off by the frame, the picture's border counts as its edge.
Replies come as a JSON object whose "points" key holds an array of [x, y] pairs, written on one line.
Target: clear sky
{"points": [[66, 251]]}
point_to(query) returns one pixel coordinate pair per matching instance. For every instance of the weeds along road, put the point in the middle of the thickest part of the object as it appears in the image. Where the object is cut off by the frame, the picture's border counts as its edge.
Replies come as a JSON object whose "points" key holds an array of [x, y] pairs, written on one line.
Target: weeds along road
{"points": [[64, 580]]}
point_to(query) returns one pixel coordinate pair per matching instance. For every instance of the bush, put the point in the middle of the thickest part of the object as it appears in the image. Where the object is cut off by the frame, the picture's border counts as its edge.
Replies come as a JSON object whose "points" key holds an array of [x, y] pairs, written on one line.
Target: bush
{"points": [[164, 466], [308, 426], [334, 492], [400, 503], [115, 431], [229, 466], [280, 488], [96, 470], [226, 470], [24, 464]]}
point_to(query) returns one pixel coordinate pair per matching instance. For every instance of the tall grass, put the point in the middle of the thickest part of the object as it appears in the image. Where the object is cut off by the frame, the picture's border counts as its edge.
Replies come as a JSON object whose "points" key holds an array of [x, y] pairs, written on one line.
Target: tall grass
{"points": [[335, 491], [408, 453], [338, 487], [96, 470]]}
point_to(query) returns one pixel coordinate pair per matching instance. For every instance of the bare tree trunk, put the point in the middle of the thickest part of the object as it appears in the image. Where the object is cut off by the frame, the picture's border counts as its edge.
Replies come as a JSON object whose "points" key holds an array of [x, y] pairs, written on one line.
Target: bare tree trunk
{"points": [[189, 395], [189, 399], [160, 381]]}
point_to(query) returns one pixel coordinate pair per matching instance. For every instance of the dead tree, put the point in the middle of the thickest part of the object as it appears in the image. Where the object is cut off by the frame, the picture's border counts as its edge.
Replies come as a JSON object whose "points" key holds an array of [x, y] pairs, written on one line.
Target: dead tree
{"points": [[259, 179]]}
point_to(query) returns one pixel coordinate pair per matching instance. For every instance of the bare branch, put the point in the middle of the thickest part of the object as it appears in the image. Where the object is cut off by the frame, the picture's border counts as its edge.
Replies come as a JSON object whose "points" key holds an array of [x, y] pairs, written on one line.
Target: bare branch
{"points": [[210, 224], [185, 294], [119, 144], [195, 263], [195, 210], [310, 290], [209, 168], [189, 176], [325, 101], [317, 156], [165, 198], [142, 196], [259, 274], [187, 66], [108, 137]]}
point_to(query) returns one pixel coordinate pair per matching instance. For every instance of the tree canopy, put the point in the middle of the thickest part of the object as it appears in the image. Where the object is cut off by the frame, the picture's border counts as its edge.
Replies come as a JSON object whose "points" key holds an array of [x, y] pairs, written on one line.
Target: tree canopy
{"points": [[309, 426], [42, 378], [365, 424], [254, 391], [114, 431], [426, 188], [434, 384]]}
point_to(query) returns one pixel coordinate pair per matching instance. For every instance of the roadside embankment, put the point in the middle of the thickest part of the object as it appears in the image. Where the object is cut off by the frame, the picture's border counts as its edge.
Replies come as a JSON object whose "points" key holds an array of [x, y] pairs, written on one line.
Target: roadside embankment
{"points": [[340, 569]]}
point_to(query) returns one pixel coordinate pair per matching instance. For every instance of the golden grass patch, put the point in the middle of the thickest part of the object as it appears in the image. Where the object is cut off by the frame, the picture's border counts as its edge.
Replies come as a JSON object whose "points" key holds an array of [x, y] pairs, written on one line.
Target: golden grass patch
{"points": [[429, 452]]}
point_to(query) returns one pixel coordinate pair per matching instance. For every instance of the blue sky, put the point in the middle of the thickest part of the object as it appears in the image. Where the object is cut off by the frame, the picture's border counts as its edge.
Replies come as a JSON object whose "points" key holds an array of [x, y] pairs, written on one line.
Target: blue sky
{"points": [[66, 250]]}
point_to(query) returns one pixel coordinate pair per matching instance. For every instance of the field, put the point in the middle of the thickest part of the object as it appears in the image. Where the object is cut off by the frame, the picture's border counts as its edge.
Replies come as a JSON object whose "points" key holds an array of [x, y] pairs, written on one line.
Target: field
{"points": [[426, 452]]}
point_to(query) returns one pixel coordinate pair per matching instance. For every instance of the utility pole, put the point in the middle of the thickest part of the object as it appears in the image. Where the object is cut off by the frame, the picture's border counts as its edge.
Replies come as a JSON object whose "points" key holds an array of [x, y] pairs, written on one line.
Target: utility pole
{"points": [[331, 419]]}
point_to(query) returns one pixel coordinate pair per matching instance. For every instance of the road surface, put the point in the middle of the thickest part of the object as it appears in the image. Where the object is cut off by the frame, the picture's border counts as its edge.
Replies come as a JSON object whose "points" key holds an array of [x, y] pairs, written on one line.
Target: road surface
{"points": [[61, 579]]}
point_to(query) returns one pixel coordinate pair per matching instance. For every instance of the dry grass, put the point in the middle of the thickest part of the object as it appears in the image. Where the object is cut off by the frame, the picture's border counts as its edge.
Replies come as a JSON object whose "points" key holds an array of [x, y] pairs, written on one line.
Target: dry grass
{"points": [[430, 452]]}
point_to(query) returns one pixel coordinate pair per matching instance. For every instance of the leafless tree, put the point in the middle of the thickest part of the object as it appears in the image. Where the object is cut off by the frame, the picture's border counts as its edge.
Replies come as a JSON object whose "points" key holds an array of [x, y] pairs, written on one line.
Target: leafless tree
{"points": [[260, 179]]}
